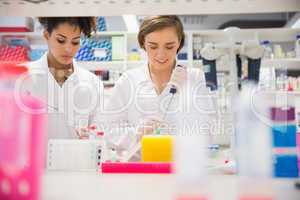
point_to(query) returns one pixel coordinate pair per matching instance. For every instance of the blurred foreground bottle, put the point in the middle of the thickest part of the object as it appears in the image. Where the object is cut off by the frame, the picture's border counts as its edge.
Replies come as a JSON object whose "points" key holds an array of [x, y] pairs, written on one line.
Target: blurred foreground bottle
{"points": [[22, 134]]}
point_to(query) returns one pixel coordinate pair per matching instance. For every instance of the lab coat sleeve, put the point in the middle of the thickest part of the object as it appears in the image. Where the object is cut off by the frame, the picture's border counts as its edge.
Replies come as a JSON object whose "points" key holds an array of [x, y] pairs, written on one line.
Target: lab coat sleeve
{"points": [[96, 115], [117, 105], [202, 111], [120, 133]]}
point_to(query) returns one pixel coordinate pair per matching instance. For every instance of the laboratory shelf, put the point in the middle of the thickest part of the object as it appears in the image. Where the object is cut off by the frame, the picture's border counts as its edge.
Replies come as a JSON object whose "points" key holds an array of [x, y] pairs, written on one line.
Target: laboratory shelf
{"points": [[142, 7], [285, 63]]}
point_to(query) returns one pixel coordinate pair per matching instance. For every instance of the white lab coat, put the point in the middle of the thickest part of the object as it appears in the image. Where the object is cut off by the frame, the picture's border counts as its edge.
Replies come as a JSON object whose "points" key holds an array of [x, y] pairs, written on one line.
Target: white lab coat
{"points": [[74, 104], [134, 99]]}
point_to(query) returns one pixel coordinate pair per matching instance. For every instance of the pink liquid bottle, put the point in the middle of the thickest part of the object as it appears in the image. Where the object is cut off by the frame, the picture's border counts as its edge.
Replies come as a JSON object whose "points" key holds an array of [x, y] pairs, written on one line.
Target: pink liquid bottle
{"points": [[22, 135]]}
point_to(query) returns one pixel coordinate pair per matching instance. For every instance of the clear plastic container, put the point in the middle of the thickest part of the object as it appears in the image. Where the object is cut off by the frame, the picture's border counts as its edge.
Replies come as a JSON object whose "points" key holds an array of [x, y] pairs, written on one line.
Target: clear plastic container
{"points": [[268, 53], [297, 46]]}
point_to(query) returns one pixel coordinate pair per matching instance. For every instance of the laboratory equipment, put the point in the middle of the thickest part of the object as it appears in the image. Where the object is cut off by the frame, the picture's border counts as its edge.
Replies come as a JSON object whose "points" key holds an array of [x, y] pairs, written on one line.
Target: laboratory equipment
{"points": [[210, 54], [137, 167], [22, 134], [284, 132], [297, 185], [253, 138], [190, 156], [174, 83], [268, 53], [75, 155], [157, 148], [297, 46], [253, 145]]}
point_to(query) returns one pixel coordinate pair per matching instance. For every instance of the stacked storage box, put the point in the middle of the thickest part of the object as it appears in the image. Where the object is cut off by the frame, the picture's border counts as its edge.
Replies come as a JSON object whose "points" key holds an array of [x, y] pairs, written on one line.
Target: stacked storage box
{"points": [[101, 24], [284, 132], [37, 51], [298, 143], [93, 49], [16, 24], [36, 54], [10, 53], [14, 48]]}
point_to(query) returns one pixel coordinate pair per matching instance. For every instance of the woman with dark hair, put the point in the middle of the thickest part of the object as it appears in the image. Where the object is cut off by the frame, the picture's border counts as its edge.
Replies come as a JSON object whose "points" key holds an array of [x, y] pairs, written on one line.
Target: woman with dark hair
{"points": [[71, 92]]}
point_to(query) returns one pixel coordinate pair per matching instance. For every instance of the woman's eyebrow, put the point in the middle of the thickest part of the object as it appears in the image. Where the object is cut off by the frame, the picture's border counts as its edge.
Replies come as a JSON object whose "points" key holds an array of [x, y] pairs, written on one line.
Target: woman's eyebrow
{"points": [[153, 43], [78, 37], [169, 43], [61, 35]]}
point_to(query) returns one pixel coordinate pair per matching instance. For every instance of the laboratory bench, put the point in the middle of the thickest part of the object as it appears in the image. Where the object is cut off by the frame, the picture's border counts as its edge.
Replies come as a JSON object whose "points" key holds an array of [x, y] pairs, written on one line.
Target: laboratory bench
{"points": [[62, 185]]}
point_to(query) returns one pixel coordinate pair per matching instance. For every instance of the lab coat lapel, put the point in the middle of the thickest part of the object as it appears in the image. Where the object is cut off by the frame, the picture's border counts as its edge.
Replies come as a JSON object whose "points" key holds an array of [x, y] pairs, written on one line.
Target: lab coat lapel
{"points": [[146, 96]]}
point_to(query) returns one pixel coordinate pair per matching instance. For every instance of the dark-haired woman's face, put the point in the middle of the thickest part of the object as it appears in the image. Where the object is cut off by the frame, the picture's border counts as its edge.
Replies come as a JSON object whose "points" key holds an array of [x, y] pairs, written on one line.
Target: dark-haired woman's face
{"points": [[161, 47], [63, 42]]}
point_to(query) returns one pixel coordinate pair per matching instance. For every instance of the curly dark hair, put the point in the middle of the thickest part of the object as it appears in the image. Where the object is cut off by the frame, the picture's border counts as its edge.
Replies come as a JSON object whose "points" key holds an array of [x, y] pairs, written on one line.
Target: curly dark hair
{"points": [[86, 24]]}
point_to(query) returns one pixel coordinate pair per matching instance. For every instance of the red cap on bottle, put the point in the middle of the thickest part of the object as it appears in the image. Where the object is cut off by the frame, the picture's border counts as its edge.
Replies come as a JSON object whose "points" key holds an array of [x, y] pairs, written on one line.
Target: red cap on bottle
{"points": [[12, 69]]}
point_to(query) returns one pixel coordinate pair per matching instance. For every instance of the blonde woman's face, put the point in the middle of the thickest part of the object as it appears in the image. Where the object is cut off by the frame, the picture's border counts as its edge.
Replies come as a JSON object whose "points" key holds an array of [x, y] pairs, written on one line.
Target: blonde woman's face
{"points": [[161, 47], [64, 42]]}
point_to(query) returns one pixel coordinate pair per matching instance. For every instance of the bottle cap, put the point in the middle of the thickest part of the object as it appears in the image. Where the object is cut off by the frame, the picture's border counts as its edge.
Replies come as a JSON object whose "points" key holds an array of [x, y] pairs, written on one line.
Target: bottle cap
{"points": [[12, 70], [265, 42]]}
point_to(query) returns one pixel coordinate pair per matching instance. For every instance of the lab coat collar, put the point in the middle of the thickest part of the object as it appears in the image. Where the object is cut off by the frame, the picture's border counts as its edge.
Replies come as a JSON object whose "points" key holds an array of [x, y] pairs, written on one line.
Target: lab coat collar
{"points": [[44, 64], [147, 71], [148, 79]]}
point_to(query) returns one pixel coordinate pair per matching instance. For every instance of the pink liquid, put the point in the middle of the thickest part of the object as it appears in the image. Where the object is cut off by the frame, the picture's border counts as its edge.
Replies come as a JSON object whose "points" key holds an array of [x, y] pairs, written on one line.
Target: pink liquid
{"points": [[22, 136]]}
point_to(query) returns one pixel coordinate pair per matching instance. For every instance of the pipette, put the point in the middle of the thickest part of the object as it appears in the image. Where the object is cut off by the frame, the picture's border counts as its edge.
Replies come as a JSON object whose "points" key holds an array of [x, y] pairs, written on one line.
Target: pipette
{"points": [[172, 91]]}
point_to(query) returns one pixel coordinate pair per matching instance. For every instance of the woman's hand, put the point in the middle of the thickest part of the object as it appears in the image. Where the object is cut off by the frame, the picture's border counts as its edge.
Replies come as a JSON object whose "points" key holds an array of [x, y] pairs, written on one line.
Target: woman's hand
{"points": [[82, 133], [85, 132], [148, 126]]}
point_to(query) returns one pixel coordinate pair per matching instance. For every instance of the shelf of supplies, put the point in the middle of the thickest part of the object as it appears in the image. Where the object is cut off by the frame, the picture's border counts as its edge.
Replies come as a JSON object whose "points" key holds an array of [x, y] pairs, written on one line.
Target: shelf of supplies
{"points": [[283, 92], [183, 62], [33, 37], [199, 64], [239, 35], [285, 63], [145, 7], [40, 34], [110, 33], [29, 34], [95, 65]]}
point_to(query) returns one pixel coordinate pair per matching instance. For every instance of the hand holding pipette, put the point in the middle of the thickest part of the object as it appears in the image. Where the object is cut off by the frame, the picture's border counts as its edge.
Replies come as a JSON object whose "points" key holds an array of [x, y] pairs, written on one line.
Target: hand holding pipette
{"points": [[148, 126], [88, 132], [154, 125]]}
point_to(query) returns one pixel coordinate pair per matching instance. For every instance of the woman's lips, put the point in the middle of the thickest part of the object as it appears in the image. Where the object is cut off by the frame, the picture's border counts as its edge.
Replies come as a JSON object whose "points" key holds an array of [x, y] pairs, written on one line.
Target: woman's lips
{"points": [[161, 62], [67, 57]]}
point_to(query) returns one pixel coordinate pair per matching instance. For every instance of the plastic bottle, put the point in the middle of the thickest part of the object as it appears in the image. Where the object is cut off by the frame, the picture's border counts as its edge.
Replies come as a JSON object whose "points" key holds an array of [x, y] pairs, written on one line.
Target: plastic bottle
{"points": [[253, 145], [253, 136], [191, 159], [297, 46], [134, 55], [22, 134], [268, 49]]}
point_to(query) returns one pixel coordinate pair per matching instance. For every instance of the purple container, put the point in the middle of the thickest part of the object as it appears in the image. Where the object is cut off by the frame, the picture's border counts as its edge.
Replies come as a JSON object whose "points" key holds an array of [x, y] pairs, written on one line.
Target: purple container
{"points": [[298, 144], [280, 114]]}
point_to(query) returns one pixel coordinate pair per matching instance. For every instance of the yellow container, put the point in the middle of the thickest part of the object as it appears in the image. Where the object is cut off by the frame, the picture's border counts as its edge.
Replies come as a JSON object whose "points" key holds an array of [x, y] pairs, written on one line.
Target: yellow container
{"points": [[157, 148]]}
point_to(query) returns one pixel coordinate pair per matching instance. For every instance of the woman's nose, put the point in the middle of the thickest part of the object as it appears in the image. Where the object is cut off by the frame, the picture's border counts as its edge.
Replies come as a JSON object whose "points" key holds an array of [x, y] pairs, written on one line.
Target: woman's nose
{"points": [[68, 48], [161, 54]]}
